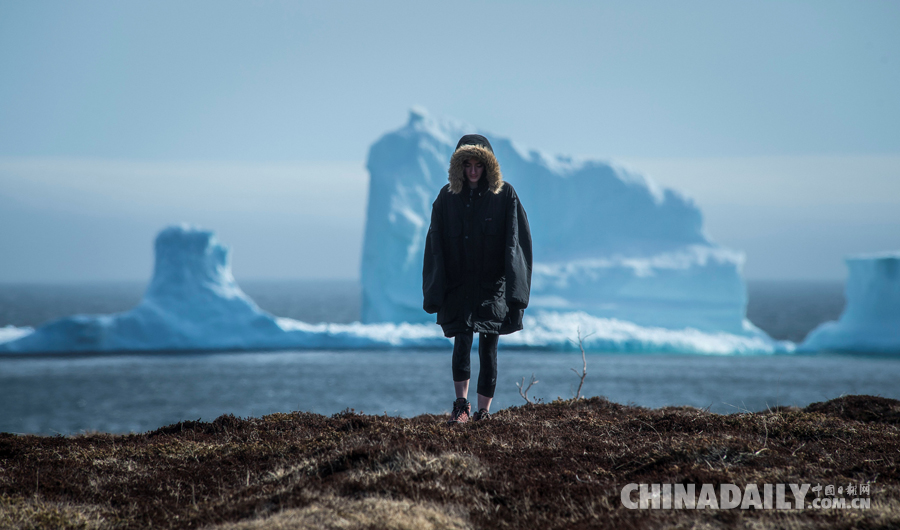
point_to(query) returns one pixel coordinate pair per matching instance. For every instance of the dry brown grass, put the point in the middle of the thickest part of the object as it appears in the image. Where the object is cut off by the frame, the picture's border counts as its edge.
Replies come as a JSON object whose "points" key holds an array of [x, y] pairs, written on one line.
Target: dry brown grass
{"points": [[23, 512], [556, 465], [351, 514]]}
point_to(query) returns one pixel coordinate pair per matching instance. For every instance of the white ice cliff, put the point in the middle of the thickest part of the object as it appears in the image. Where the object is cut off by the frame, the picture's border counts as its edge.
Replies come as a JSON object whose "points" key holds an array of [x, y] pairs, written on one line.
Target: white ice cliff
{"points": [[871, 318], [608, 242], [193, 303]]}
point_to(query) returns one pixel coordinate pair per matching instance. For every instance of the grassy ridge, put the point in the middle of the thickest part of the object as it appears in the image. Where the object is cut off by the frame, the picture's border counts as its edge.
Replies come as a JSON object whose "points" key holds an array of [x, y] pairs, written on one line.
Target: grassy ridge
{"points": [[556, 465]]}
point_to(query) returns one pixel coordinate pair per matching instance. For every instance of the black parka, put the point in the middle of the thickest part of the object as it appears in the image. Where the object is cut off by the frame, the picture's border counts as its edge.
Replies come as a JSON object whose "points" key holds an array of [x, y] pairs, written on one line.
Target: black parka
{"points": [[477, 267]]}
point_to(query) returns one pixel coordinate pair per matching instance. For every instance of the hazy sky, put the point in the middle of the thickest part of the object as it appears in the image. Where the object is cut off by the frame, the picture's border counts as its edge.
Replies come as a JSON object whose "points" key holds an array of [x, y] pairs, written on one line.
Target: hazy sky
{"points": [[254, 119]]}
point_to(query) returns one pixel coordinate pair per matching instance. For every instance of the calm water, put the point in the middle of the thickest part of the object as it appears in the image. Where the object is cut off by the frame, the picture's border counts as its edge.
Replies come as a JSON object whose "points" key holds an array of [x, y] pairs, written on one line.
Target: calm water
{"points": [[141, 392]]}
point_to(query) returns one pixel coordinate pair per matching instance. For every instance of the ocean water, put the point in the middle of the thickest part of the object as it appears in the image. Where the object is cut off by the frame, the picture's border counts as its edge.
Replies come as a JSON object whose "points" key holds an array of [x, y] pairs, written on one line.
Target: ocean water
{"points": [[136, 393]]}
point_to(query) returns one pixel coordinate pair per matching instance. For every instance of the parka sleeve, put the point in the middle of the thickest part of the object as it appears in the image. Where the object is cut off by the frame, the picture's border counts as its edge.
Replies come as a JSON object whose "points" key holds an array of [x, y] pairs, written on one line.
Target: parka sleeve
{"points": [[518, 255], [433, 274]]}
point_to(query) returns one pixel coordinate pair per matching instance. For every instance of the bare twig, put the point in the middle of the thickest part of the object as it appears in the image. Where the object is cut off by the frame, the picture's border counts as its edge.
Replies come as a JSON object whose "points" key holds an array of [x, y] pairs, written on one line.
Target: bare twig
{"points": [[583, 373], [524, 393]]}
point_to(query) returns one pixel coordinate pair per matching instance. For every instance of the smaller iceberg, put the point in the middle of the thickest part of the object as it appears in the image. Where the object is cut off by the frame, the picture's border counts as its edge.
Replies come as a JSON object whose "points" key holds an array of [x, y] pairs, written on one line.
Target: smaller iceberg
{"points": [[193, 304], [871, 319]]}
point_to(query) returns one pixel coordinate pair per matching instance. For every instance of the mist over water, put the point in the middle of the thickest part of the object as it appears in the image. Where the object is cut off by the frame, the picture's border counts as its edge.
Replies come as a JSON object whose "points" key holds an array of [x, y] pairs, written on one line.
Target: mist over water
{"points": [[25, 304], [788, 310]]}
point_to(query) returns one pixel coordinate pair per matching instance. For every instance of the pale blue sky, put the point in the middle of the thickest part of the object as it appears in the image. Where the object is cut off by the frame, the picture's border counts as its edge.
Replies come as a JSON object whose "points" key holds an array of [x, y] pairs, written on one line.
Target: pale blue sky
{"points": [[116, 118]]}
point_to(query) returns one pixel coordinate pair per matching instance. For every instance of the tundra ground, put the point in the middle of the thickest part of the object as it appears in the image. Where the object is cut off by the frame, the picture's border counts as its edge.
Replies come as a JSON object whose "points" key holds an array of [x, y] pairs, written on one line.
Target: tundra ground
{"points": [[555, 465]]}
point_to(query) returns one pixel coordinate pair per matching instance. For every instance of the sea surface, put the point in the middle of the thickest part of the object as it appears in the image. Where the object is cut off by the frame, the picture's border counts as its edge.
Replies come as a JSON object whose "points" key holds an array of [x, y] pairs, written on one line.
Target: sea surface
{"points": [[136, 393]]}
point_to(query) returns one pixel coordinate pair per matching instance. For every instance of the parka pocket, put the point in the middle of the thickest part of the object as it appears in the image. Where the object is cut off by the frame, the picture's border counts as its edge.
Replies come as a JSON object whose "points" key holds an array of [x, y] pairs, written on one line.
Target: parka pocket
{"points": [[493, 301], [490, 226]]}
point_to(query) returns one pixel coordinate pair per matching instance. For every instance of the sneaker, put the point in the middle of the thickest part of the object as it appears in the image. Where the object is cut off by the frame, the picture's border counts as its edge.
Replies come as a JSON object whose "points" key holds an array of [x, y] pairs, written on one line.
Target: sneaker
{"points": [[482, 414], [462, 410]]}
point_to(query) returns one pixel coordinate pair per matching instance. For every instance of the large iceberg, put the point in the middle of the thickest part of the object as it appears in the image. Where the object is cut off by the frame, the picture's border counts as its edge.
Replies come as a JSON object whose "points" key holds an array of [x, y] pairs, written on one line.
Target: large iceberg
{"points": [[871, 318], [193, 303], [608, 242]]}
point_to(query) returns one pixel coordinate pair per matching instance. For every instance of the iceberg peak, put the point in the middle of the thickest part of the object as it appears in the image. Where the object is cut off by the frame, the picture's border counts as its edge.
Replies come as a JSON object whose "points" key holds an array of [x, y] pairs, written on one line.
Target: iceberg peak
{"points": [[188, 258], [417, 114]]}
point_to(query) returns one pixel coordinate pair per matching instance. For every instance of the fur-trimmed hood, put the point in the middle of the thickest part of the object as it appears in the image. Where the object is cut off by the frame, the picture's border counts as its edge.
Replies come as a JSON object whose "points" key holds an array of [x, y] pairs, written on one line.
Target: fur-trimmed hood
{"points": [[474, 146]]}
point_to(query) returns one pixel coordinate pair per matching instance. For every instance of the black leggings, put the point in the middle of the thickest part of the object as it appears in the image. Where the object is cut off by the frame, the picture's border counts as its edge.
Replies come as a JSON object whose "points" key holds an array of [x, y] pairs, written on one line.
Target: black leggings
{"points": [[487, 353]]}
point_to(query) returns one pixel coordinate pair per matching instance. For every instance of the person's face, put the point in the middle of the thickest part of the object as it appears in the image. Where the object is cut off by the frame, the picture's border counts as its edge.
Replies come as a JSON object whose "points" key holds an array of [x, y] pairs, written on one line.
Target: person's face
{"points": [[473, 169]]}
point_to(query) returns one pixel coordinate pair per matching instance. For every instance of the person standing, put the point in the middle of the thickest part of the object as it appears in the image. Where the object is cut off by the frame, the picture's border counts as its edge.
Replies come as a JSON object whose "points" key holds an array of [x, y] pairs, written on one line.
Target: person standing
{"points": [[477, 269]]}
